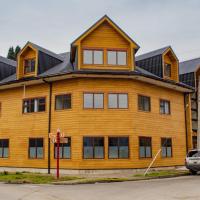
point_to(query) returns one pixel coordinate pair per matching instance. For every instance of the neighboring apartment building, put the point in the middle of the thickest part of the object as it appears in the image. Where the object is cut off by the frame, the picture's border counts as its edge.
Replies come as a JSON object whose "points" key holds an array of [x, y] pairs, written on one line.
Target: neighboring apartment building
{"points": [[114, 114], [189, 72]]}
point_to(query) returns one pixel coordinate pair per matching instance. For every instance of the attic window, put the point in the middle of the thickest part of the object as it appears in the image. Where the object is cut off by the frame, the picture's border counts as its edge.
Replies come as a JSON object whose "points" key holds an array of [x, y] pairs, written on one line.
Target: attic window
{"points": [[167, 70], [29, 66], [116, 57], [91, 57]]}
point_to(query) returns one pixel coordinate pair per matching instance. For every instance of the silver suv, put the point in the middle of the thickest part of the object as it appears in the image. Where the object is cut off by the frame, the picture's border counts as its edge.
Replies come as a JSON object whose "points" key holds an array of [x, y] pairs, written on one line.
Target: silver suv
{"points": [[192, 161]]}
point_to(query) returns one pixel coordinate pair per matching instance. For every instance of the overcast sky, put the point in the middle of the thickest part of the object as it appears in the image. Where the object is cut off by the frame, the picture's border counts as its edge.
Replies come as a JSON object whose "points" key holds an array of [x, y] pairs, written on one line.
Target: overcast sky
{"points": [[54, 24]]}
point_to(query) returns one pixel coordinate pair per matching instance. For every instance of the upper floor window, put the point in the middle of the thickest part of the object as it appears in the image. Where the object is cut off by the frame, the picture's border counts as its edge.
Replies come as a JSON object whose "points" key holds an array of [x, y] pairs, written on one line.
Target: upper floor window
{"points": [[4, 146], [36, 148], [93, 100], [91, 57], [116, 57], [144, 103], [29, 66], [167, 69], [165, 107], [63, 101], [34, 105], [117, 100]]}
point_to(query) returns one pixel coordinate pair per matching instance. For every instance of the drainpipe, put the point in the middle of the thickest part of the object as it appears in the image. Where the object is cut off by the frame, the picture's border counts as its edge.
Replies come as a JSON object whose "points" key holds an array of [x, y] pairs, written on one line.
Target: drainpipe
{"points": [[49, 125], [186, 127]]}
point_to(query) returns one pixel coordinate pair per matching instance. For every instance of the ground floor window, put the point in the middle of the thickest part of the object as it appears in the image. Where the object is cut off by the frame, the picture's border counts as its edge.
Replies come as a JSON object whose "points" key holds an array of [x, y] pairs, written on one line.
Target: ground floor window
{"points": [[93, 147], [64, 150], [145, 149], [4, 147], [166, 144], [36, 149], [118, 147], [194, 141]]}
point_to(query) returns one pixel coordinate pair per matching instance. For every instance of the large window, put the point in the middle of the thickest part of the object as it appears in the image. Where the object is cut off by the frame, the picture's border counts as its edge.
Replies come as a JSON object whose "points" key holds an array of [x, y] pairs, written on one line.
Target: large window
{"points": [[29, 66], [4, 148], [145, 147], [34, 105], [64, 150], [166, 144], [167, 70], [63, 102], [36, 149], [93, 100], [144, 103], [117, 100], [165, 107], [93, 147], [116, 57], [93, 57], [118, 147]]}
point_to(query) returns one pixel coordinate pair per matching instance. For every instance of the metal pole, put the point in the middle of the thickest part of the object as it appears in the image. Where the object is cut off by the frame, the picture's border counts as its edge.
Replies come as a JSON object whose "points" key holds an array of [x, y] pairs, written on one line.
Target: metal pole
{"points": [[58, 153], [198, 128]]}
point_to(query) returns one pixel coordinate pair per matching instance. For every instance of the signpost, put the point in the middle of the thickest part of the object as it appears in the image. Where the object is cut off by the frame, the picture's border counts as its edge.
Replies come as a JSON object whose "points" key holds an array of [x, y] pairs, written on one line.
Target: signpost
{"points": [[58, 138]]}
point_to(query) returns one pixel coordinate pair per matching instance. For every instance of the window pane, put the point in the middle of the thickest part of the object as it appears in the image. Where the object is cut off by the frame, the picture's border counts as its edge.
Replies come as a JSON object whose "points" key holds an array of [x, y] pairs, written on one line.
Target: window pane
{"points": [[113, 152], [148, 152], [144, 103], [32, 152], [5, 153], [98, 57], [88, 152], [169, 151], [36, 105], [39, 152], [112, 57], [123, 101], [87, 57], [112, 100], [98, 152], [1, 152], [41, 104], [67, 101], [39, 142], [66, 152], [121, 58], [123, 151], [142, 151], [167, 107], [164, 152], [32, 143], [5, 143], [98, 100], [167, 70], [88, 100], [59, 104]]}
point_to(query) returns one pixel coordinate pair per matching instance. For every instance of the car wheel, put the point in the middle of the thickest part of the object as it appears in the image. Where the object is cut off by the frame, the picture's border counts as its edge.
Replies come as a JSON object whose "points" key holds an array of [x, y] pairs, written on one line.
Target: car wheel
{"points": [[193, 172]]}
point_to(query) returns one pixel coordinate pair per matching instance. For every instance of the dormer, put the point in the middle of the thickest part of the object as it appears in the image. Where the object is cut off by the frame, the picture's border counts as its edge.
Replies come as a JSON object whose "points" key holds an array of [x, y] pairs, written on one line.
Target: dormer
{"points": [[161, 62], [104, 46], [34, 60]]}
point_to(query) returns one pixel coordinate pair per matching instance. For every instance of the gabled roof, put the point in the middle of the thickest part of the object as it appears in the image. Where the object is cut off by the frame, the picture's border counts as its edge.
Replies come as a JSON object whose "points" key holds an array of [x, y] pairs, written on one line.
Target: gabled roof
{"points": [[189, 66], [8, 61], [115, 26], [152, 53], [41, 49]]}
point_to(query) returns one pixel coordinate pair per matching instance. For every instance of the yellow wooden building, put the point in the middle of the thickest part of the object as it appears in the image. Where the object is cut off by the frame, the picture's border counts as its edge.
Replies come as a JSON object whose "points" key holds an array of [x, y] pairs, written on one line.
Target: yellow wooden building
{"points": [[115, 114]]}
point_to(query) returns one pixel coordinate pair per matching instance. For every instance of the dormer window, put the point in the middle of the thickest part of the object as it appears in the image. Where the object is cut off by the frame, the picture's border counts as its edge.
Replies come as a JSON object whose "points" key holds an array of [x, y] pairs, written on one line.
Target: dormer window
{"points": [[116, 57], [92, 57], [167, 70], [29, 66]]}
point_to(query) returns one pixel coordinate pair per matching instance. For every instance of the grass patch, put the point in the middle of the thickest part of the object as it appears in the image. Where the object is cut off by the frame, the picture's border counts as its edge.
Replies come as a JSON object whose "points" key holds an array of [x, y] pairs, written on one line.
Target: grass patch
{"points": [[34, 178], [160, 174]]}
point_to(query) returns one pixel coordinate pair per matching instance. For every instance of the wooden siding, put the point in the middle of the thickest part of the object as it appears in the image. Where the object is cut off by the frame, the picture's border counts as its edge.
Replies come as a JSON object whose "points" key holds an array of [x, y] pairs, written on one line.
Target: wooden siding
{"points": [[78, 122], [106, 37]]}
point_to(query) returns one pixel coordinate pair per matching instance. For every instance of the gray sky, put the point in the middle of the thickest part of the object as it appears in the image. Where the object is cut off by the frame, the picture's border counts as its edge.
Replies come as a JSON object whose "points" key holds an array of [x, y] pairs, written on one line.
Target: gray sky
{"points": [[54, 24]]}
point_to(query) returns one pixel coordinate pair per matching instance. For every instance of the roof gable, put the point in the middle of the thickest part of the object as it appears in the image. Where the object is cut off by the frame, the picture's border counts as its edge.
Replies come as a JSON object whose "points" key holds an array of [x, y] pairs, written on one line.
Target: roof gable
{"points": [[112, 24]]}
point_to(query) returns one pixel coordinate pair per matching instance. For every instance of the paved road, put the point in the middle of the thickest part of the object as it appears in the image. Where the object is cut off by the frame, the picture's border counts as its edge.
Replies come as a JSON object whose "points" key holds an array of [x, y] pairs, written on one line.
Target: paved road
{"points": [[182, 188]]}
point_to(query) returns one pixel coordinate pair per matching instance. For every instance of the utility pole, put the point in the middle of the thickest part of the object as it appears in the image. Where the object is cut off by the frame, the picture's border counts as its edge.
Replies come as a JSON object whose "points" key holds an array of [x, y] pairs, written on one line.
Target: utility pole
{"points": [[198, 114]]}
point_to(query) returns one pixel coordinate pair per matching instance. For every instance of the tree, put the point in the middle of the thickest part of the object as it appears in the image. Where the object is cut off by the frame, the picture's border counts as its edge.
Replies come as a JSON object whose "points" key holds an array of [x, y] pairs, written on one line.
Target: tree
{"points": [[12, 53]]}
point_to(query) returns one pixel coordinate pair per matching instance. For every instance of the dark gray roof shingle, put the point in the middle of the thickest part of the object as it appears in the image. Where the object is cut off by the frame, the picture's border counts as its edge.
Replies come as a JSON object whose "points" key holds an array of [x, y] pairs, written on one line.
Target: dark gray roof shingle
{"points": [[189, 66], [8, 61], [152, 53]]}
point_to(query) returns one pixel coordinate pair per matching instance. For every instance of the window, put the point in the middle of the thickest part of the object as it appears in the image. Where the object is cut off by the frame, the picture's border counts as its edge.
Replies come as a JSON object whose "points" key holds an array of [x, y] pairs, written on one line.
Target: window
{"points": [[194, 142], [63, 102], [64, 150], [93, 100], [34, 105], [4, 147], [29, 66], [144, 103], [145, 147], [117, 100], [93, 57], [118, 147], [166, 144], [116, 57], [164, 107], [93, 147], [36, 148], [167, 70]]}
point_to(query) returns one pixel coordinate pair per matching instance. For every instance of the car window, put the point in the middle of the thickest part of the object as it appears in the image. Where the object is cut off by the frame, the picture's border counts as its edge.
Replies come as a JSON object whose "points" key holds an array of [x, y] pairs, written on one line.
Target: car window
{"points": [[193, 154]]}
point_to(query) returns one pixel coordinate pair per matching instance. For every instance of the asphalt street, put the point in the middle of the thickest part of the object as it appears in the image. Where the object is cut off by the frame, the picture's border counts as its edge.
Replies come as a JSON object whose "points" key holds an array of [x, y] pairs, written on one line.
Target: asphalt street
{"points": [[182, 188]]}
